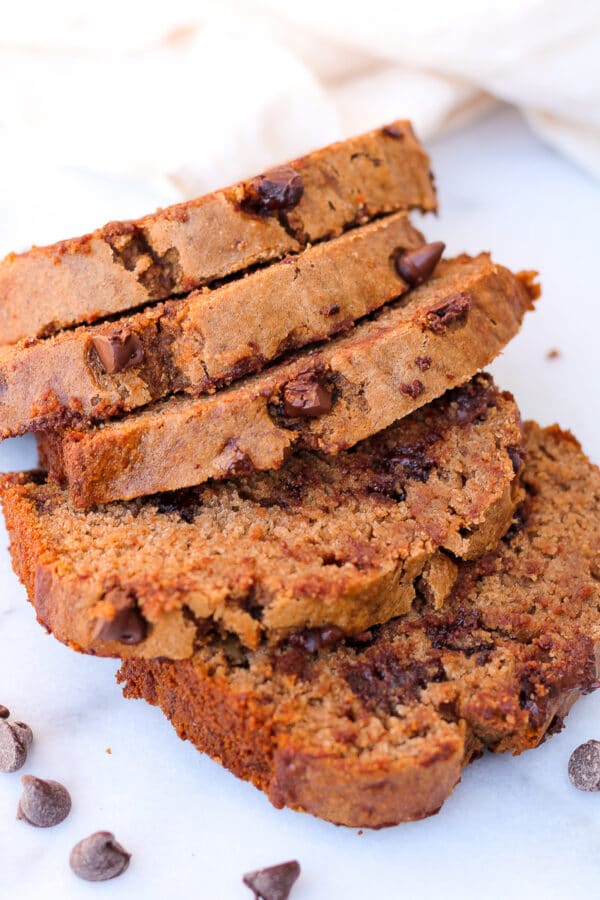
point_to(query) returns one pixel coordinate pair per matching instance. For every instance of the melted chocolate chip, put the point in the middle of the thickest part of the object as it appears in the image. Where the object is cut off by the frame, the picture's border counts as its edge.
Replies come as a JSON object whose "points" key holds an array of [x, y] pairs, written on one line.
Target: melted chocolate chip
{"points": [[453, 310], [277, 189], [417, 265], [118, 351], [314, 639], [517, 458], [274, 883], [128, 626], [414, 389], [423, 362], [99, 857], [381, 681], [43, 803], [185, 502], [307, 396]]}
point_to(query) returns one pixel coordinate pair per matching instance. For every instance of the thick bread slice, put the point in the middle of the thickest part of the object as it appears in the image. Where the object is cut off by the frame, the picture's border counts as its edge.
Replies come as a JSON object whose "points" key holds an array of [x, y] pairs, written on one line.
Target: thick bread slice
{"points": [[209, 338], [127, 264], [334, 543], [354, 386], [376, 731]]}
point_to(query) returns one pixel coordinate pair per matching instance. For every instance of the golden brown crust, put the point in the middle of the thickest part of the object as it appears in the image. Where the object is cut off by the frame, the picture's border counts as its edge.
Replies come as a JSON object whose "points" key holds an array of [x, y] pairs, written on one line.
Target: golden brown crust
{"points": [[376, 733], [126, 264], [327, 544], [451, 327], [209, 338]]}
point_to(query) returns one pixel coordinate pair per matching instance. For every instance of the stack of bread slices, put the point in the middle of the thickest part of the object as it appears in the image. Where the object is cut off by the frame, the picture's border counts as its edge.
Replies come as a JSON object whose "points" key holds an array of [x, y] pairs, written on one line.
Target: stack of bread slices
{"points": [[276, 483]]}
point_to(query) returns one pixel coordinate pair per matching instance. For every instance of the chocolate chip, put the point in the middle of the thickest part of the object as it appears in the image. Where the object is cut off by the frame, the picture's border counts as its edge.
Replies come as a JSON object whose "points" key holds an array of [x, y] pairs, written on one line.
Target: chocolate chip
{"points": [[43, 803], [392, 131], [314, 639], [15, 740], [584, 766], [423, 362], [99, 857], [517, 458], [274, 883], [118, 351], [4, 712], [455, 309], [414, 389], [278, 189], [306, 396], [415, 266], [127, 626]]}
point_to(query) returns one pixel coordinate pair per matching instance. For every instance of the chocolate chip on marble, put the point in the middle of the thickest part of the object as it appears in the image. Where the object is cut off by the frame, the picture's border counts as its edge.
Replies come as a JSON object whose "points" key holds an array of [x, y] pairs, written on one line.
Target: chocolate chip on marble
{"points": [[15, 740], [4, 712], [118, 351], [277, 189], [273, 883], [99, 857], [43, 803], [584, 766], [415, 266], [127, 626], [306, 396]]}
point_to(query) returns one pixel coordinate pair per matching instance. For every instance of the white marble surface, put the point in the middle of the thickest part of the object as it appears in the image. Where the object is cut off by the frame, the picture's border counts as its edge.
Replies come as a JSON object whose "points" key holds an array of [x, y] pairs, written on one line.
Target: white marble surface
{"points": [[514, 828]]}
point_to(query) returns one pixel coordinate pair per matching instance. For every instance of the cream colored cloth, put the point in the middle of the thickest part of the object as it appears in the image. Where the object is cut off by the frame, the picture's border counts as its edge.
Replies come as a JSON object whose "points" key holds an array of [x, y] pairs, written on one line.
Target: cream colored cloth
{"points": [[186, 96]]}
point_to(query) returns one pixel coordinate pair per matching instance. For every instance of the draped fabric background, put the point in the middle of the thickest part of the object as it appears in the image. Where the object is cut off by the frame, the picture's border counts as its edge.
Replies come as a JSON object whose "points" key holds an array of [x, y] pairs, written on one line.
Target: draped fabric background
{"points": [[182, 97]]}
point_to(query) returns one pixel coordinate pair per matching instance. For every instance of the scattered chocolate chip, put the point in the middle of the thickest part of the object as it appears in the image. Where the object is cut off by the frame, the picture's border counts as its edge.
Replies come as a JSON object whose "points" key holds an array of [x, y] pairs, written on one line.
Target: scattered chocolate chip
{"points": [[15, 740], [454, 310], [118, 351], [414, 389], [274, 883], [584, 766], [423, 362], [307, 396], [127, 625], [278, 189], [392, 131], [4, 712], [43, 803], [99, 857], [415, 266], [185, 502]]}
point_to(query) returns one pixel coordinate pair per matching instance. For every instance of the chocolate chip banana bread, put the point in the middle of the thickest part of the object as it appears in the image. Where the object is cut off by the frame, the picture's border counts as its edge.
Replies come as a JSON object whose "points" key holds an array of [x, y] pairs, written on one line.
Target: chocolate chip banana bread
{"points": [[377, 730], [325, 399], [127, 264], [210, 338], [325, 546]]}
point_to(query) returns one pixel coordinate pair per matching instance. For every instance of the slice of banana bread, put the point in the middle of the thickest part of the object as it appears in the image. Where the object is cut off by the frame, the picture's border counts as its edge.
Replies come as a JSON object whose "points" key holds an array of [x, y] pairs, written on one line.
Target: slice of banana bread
{"points": [[208, 338], [322, 547], [377, 730], [325, 399], [127, 264]]}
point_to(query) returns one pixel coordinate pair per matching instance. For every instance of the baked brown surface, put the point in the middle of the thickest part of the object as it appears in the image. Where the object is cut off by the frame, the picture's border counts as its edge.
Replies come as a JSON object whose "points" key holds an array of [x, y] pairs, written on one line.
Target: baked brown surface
{"points": [[327, 398], [376, 731], [323, 546], [175, 250], [208, 338]]}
